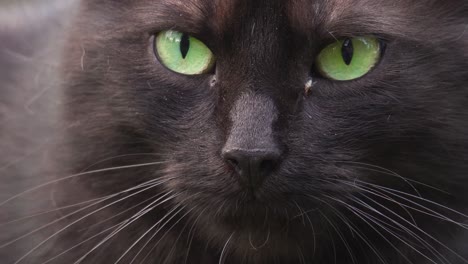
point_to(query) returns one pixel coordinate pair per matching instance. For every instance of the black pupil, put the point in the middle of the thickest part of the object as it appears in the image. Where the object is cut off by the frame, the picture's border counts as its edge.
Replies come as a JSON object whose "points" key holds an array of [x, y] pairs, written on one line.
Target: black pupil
{"points": [[347, 51], [184, 45]]}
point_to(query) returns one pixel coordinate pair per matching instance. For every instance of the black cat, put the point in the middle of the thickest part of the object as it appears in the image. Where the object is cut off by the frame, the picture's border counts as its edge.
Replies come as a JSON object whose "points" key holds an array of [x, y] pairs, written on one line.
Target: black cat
{"points": [[269, 131]]}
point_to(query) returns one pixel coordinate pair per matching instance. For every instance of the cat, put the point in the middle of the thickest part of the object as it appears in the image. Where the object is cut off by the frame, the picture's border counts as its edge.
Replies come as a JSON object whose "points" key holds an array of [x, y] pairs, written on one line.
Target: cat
{"points": [[260, 156]]}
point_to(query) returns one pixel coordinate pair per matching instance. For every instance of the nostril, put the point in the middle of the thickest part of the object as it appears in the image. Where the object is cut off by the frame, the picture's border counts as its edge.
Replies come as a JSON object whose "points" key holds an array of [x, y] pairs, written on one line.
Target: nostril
{"points": [[251, 166], [266, 166], [233, 163]]}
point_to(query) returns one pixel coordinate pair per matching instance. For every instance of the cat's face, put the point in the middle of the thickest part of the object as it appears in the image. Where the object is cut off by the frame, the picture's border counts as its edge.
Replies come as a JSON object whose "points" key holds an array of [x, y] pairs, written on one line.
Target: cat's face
{"points": [[308, 142]]}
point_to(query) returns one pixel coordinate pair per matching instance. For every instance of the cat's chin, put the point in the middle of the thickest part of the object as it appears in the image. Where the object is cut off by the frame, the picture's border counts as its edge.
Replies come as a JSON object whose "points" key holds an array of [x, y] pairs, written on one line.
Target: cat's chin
{"points": [[258, 228], [260, 236]]}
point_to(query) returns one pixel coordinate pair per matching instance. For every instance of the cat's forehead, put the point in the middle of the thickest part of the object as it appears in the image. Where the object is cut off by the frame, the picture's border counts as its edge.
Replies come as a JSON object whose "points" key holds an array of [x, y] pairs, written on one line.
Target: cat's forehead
{"points": [[225, 10], [311, 18], [304, 15], [227, 7]]}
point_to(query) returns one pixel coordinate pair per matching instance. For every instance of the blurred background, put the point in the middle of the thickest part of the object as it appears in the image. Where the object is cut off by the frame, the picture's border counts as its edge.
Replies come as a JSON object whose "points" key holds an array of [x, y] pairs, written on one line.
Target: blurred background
{"points": [[30, 35], [31, 32]]}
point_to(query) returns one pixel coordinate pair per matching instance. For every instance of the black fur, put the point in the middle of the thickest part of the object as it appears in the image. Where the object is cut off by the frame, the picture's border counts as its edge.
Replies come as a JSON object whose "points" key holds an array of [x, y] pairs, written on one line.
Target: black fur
{"points": [[372, 170]]}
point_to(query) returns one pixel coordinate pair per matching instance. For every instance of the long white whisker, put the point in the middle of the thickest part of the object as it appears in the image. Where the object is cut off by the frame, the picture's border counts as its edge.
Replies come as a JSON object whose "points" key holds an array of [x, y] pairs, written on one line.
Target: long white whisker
{"points": [[359, 212], [400, 226], [348, 248], [306, 214], [174, 244], [105, 198], [77, 175], [392, 173], [49, 211], [123, 212], [119, 156], [385, 171], [151, 228], [386, 197], [378, 232], [128, 222], [84, 241], [429, 211], [355, 230], [161, 238], [76, 221], [221, 257], [407, 222], [191, 235], [434, 213]]}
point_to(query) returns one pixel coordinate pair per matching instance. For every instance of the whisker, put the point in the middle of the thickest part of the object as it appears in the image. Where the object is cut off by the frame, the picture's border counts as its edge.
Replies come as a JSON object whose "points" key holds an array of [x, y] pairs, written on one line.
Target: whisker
{"points": [[178, 208], [429, 211], [84, 241], [301, 213], [379, 233], [119, 156], [105, 198], [77, 175], [74, 222], [333, 246], [167, 232], [354, 229], [436, 214], [348, 248], [392, 173], [191, 235], [406, 221], [49, 211], [175, 243], [263, 244], [301, 255], [402, 227], [386, 197], [313, 233], [360, 213], [221, 257], [128, 222], [121, 213]]}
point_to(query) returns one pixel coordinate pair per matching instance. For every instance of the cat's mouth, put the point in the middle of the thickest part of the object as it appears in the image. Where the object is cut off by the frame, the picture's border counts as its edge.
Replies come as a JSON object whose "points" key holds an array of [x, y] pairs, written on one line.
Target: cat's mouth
{"points": [[254, 214], [259, 227]]}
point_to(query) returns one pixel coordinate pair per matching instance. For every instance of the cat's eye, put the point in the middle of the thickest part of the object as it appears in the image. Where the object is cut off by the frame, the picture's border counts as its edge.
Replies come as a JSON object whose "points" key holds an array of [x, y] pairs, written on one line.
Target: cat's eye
{"points": [[349, 59], [183, 53]]}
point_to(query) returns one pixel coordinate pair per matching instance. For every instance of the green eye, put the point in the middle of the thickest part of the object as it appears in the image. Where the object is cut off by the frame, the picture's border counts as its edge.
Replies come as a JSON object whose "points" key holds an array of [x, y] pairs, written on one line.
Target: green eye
{"points": [[182, 53], [349, 59]]}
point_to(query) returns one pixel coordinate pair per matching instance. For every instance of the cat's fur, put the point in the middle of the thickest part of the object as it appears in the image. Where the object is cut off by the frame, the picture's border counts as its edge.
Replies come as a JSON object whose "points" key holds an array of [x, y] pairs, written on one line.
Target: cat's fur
{"points": [[371, 171]]}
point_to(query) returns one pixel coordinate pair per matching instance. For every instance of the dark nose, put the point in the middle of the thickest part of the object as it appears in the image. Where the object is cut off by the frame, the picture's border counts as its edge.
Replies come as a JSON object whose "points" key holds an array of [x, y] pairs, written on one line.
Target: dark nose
{"points": [[252, 166]]}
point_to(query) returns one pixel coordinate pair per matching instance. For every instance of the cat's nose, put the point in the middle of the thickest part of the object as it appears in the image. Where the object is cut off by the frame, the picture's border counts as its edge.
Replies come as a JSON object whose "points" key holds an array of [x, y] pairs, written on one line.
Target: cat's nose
{"points": [[252, 166]]}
